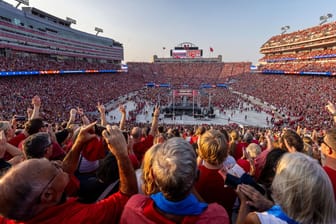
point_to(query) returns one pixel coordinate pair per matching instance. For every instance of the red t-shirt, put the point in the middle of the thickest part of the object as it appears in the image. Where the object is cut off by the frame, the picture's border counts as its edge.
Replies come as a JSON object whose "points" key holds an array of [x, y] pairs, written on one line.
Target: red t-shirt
{"points": [[105, 211], [332, 175], [140, 148], [244, 164], [140, 209], [239, 150], [210, 186]]}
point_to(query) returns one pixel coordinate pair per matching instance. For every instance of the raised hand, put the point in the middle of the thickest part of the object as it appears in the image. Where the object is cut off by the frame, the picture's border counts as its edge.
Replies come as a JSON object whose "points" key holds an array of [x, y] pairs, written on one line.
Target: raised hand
{"points": [[331, 108], [122, 109], [36, 101], [156, 111], [86, 133], [101, 108], [115, 140]]}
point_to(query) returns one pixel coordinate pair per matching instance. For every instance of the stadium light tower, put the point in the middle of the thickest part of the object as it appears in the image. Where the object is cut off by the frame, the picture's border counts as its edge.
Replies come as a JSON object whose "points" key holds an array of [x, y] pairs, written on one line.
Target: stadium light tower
{"points": [[25, 2], [284, 29], [99, 30], [73, 21], [323, 19]]}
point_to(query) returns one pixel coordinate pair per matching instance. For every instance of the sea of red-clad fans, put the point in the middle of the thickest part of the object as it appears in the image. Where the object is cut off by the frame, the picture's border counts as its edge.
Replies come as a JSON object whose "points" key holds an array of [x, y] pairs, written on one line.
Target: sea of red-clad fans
{"points": [[62, 92], [309, 50], [71, 102]]}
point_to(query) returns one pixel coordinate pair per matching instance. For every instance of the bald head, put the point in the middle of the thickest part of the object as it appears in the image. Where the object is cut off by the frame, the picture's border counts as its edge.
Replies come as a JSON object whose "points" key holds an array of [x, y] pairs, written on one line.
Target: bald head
{"points": [[21, 187], [136, 133]]}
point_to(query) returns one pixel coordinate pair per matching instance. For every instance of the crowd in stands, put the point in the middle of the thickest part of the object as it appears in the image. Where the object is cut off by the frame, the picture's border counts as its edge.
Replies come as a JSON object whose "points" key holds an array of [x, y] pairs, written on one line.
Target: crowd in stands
{"points": [[309, 50], [152, 173], [43, 63], [301, 97], [310, 34], [98, 173], [181, 74]]}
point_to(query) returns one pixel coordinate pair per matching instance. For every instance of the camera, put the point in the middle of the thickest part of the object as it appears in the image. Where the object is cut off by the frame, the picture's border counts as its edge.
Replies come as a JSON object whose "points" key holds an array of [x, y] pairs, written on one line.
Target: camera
{"points": [[19, 118], [233, 181], [98, 129]]}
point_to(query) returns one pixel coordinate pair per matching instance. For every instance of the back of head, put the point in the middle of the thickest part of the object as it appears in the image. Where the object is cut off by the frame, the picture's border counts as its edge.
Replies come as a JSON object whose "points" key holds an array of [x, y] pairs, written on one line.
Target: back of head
{"points": [[200, 130], [34, 125], [35, 145], [136, 133], [20, 188], [303, 190], [234, 135], [4, 126], [253, 149], [108, 170], [248, 137], [293, 139], [213, 147], [268, 171], [174, 168], [148, 184]]}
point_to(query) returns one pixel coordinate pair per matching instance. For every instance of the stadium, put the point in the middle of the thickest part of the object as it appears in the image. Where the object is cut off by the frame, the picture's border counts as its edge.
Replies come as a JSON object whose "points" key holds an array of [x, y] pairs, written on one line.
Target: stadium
{"points": [[52, 71]]}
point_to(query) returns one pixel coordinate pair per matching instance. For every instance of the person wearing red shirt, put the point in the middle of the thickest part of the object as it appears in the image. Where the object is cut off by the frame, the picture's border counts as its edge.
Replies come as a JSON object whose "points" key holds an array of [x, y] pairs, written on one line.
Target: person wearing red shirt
{"points": [[328, 149], [172, 199], [213, 149], [141, 146], [33, 191]]}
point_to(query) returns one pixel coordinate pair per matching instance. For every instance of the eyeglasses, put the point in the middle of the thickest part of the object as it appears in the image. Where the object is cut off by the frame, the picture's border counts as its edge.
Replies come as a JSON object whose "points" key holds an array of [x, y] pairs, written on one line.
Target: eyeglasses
{"points": [[58, 167]]}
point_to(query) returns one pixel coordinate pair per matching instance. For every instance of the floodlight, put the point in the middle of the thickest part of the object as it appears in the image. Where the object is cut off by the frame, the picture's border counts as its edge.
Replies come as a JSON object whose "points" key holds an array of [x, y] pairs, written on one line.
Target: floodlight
{"points": [[25, 2], [284, 29], [324, 18], [73, 21], [99, 30]]}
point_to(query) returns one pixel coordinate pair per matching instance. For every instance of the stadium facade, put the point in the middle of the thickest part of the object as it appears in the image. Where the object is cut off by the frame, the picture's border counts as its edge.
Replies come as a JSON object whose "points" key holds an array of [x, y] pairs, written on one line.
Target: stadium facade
{"points": [[32, 31], [310, 51]]}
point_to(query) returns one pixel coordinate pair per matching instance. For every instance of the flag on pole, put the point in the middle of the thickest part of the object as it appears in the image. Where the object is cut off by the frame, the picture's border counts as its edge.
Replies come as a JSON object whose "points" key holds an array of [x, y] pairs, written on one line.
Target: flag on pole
{"points": [[211, 49]]}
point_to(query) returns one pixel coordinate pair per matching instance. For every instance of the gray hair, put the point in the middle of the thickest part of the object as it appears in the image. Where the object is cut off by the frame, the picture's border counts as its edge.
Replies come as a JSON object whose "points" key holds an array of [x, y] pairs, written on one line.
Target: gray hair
{"points": [[174, 168], [36, 144], [303, 190], [20, 188], [253, 149]]}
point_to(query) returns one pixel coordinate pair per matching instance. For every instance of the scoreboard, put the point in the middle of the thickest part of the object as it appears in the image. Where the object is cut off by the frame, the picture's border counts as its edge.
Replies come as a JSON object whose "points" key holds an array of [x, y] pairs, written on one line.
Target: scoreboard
{"points": [[186, 53]]}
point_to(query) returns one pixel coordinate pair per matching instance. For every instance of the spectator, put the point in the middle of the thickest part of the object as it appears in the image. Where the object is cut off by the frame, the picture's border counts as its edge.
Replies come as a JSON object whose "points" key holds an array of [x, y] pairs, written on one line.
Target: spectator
{"points": [[311, 194], [174, 171], [291, 141], [213, 150], [140, 147], [32, 191], [328, 150]]}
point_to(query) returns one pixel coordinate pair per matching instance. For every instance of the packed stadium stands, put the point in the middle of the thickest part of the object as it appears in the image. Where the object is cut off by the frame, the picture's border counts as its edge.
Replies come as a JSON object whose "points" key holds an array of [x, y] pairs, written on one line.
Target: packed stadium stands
{"points": [[291, 87], [308, 51]]}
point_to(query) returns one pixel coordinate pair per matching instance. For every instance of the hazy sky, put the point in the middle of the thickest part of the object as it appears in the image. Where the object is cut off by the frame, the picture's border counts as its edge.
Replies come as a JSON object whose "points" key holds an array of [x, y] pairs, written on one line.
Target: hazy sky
{"points": [[235, 29]]}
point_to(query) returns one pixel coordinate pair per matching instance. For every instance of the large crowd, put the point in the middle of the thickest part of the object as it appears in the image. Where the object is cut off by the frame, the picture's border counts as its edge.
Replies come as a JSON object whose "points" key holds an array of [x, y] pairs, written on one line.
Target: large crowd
{"points": [[62, 162], [309, 50]]}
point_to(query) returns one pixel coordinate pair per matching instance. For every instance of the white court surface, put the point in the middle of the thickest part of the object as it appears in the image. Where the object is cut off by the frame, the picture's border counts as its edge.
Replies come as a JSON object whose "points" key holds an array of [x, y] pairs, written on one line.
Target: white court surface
{"points": [[253, 118]]}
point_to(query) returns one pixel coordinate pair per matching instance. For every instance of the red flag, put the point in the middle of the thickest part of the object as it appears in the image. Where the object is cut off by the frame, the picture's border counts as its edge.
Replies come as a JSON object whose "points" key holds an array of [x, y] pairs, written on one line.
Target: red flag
{"points": [[211, 49]]}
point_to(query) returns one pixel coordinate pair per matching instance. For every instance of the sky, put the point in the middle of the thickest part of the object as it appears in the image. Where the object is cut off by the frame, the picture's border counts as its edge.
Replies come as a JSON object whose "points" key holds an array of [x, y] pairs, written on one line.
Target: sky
{"points": [[235, 29]]}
